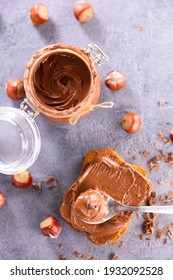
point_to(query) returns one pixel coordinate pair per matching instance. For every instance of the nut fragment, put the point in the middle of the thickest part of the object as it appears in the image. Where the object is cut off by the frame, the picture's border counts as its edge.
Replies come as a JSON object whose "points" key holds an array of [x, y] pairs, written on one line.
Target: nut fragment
{"points": [[37, 186], [15, 89], [50, 227], [50, 182], [131, 122], [62, 257], [83, 11], [39, 13], [114, 257], [83, 256], [2, 200], [115, 80], [22, 180], [171, 135]]}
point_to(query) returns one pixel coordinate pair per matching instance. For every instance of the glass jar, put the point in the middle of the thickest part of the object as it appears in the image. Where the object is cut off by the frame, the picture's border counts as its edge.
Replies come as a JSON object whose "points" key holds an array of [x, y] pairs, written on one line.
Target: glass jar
{"points": [[60, 82]]}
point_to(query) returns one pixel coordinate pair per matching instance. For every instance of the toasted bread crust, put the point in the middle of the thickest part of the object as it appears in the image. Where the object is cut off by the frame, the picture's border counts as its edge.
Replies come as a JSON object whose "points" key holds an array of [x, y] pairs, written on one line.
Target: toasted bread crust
{"points": [[114, 156]]}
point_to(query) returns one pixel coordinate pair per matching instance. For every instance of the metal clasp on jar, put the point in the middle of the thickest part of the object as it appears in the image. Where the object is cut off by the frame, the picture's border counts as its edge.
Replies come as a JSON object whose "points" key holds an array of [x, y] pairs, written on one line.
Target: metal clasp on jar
{"points": [[98, 56], [25, 106]]}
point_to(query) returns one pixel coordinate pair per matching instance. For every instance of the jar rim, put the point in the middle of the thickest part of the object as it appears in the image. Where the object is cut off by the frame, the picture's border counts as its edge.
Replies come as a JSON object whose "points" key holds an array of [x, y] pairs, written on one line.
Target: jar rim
{"points": [[35, 60]]}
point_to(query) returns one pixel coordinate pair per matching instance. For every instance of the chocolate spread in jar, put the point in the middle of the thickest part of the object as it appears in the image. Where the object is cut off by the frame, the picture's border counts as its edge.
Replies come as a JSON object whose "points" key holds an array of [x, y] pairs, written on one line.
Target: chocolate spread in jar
{"points": [[62, 81], [121, 182]]}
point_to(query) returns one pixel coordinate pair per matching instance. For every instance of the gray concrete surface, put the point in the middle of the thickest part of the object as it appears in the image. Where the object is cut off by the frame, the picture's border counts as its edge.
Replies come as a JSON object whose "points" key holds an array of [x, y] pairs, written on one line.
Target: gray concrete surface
{"points": [[146, 58]]}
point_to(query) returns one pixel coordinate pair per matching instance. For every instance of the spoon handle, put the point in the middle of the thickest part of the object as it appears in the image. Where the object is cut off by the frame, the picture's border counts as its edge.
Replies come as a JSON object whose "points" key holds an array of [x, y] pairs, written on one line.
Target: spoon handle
{"points": [[150, 209]]}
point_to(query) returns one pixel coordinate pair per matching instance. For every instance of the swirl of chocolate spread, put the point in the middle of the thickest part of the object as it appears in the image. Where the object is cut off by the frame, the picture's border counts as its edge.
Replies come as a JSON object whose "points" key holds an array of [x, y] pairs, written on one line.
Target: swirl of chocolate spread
{"points": [[62, 81], [91, 205]]}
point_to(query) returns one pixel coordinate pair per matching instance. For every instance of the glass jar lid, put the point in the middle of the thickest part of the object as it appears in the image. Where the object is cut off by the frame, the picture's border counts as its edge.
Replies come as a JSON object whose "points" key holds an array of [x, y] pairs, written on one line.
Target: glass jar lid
{"points": [[20, 140]]}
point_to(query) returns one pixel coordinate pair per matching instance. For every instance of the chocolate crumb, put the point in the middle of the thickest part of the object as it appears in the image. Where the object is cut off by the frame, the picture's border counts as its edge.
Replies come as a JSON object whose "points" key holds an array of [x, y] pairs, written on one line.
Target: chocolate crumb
{"points": [[169, 160], [162, 155], [165, 232], [167, 198], [60, 245], [160, 181], [114, 257], [149, 218], [50, 182], [170, 157], [148, 227], [165, 242], [170, 225], [134, 158], [159, 103], [121, 244], [167, 101], [169, 142], [82, 256], [37, 186], [62, 257], [152, 199], [142, 237], [160, 234], [162, 138], [153, 163], [169, 233], [144, 153]]}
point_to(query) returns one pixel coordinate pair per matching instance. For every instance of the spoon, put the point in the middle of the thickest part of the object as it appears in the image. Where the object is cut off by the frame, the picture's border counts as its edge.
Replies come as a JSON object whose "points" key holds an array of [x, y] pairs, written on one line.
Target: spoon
{"points": [[117, 207]]}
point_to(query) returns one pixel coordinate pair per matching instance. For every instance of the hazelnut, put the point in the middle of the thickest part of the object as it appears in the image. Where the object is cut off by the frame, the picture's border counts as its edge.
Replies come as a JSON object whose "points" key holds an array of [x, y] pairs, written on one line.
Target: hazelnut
{"points": [[171, 135], [2, 200], [22, 180], [131, 122], [50, 227], [39, 13], [15, 89], [83, 11], [115, 80]]}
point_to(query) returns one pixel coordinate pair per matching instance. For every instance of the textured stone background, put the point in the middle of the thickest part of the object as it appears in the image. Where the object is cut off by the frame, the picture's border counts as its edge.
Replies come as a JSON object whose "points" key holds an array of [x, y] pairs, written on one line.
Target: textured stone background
{"points": [[146, 58]]}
